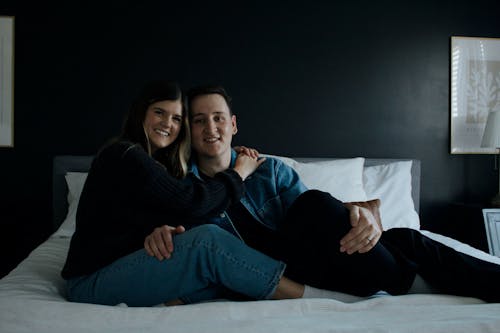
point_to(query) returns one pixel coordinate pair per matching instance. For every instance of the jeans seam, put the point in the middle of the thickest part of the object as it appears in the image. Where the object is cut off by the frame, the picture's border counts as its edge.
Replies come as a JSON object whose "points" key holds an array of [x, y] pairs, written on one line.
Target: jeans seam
{"points": [[272, 278]]}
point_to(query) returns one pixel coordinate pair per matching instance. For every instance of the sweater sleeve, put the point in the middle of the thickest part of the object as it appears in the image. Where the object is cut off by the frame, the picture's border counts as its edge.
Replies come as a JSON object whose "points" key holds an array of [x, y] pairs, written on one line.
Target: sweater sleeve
{"points": [[190, 196]]}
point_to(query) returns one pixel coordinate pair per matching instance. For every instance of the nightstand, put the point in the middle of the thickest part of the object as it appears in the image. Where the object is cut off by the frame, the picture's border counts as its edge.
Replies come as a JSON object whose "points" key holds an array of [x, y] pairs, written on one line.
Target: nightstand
{"points": [[464, 223], [492, 226]]}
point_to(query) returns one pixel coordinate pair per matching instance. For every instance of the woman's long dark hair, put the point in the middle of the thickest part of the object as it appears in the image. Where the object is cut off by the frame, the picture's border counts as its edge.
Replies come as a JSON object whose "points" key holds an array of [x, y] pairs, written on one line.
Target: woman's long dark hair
{"points": [[175, 156]]}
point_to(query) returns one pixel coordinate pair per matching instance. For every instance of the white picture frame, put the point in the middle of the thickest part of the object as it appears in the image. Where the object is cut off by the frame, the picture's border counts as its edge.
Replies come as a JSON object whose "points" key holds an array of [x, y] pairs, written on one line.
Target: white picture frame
{"points": [[475, 91], [6, 81], [492, 225]]}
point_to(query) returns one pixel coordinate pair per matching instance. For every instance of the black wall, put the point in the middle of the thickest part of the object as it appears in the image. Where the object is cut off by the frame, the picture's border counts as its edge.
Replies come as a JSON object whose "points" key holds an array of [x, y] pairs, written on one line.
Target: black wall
{"points": [[312, 78]]}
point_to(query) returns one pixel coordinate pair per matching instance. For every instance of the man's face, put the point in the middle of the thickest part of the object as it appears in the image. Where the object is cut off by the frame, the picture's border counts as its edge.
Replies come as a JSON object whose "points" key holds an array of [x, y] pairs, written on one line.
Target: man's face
{"points": [[212, 126]]}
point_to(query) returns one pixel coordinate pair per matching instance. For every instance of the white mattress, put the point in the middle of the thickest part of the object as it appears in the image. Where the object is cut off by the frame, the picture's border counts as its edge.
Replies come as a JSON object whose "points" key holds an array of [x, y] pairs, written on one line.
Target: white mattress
{"points": [[32, 300]]}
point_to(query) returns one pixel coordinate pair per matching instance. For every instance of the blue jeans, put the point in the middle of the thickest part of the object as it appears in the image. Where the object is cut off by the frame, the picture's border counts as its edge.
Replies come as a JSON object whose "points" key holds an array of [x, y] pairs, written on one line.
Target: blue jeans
{"points": [[206, 261]]}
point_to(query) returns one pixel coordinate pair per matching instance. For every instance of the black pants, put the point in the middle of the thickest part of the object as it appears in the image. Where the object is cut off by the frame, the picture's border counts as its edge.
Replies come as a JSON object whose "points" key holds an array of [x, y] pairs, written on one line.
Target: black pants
{"points": [[310, 245]]}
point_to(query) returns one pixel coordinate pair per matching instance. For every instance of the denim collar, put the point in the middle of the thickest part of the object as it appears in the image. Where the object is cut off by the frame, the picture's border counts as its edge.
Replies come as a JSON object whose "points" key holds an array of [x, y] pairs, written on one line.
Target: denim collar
{"points": [[193, 166]]}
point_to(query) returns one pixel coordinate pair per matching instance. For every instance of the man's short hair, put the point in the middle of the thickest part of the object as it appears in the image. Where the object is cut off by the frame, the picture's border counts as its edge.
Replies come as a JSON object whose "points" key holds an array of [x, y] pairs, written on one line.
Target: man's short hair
{"points": [[208, 90]]}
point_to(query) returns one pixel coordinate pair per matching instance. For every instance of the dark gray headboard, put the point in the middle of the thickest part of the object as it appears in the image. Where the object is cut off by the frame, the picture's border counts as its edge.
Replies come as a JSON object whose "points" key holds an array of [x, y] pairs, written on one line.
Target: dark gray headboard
{"points": [[69, 163]]}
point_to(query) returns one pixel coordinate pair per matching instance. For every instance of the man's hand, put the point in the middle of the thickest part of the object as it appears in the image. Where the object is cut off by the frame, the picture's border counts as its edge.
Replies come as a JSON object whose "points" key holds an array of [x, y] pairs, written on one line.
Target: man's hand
{"points": [[365, 231], [159, 243]]}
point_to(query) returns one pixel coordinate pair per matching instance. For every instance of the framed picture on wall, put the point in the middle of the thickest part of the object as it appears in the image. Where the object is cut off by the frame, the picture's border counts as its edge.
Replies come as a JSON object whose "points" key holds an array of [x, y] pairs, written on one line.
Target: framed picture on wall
{"points": [[6, 81], [475, 91], [492, 225]]}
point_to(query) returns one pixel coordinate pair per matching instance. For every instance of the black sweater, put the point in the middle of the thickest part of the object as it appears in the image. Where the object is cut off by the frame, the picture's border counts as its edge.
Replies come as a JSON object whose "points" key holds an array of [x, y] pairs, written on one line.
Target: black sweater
{"points": [[126, 195]]}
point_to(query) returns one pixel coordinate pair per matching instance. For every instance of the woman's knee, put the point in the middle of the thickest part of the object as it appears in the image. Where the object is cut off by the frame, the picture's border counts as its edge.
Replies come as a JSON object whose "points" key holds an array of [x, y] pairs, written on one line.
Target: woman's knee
{"points": [[208, 233], [208, 230]]}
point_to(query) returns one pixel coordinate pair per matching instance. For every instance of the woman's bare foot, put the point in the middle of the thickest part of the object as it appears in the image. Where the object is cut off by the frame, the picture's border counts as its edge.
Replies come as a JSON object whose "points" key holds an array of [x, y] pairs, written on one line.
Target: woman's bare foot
{"points": [[174, 302], [288, 289]]}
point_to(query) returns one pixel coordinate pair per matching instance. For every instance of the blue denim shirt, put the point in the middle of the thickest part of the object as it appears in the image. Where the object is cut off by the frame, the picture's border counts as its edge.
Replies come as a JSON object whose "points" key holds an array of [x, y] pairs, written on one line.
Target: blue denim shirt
{"points": [[269, 192]]}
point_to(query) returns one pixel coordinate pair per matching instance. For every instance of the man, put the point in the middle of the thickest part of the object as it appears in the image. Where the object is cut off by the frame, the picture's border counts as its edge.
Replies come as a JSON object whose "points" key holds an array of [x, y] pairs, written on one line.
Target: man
{"points": [[213, 126], [279, 217]]}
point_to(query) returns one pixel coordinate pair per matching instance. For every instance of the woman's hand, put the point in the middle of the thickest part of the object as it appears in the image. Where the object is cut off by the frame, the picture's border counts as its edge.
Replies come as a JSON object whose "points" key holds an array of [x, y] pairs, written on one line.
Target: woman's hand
{"points": [[159, 243], [247, 151], [245, 165], [365, 231]]}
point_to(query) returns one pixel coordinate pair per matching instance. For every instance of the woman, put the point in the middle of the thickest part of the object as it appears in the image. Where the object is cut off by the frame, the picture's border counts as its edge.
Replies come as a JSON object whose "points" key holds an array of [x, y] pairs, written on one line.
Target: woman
{"points": [[132, 187]]}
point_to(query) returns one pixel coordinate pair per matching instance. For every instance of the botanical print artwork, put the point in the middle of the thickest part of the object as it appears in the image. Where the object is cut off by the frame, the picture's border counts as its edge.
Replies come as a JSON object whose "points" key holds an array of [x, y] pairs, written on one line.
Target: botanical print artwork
{"points": [[483, 90], [474, 91]]}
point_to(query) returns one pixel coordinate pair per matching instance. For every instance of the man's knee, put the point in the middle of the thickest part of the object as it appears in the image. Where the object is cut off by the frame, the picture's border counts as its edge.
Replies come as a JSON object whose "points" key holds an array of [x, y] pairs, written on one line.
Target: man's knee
{"points": [[316, 195], [313, 200]]}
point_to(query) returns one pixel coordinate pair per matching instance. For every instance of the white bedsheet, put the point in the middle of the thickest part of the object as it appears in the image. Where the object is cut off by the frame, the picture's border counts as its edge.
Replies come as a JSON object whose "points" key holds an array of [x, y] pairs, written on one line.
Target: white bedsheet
{"points": [[32, 300]]}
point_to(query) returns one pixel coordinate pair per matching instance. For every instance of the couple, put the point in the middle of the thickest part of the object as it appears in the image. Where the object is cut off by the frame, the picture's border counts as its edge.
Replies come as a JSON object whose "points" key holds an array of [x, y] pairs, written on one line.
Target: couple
{"points": [[153, 227]]}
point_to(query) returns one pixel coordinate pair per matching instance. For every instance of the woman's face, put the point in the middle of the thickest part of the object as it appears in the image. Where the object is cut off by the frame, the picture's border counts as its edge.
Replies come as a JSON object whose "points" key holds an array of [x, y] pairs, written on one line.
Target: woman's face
{"points": [[162, 123]]}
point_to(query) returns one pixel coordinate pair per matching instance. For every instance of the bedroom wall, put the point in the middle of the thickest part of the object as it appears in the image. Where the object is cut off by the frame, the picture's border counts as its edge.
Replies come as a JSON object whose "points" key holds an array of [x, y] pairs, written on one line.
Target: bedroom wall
{"points": [[315, 78]]}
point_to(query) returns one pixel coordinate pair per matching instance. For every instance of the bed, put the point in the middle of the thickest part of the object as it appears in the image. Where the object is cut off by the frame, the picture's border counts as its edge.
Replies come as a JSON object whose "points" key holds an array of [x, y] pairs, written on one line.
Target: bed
{"points": [[32, 296]]}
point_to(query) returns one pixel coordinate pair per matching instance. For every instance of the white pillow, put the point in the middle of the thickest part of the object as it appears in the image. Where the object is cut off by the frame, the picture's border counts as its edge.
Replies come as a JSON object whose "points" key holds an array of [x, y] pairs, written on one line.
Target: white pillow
{"points": [[342, 178], [391, 183], [75, 182]]}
